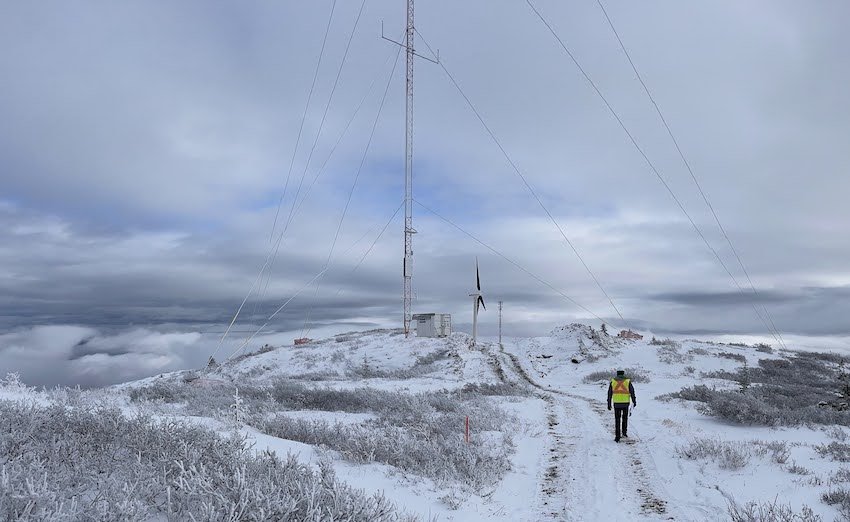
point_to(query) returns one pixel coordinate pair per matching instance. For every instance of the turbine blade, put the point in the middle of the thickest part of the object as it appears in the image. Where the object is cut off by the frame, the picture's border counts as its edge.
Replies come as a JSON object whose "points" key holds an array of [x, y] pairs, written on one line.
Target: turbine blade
{"points": [[477, 277], [481, 300]]}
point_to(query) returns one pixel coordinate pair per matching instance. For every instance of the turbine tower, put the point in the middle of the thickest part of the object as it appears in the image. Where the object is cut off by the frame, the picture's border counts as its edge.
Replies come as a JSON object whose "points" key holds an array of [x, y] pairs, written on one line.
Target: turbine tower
{"points": [[477, 299], [408, 174]]}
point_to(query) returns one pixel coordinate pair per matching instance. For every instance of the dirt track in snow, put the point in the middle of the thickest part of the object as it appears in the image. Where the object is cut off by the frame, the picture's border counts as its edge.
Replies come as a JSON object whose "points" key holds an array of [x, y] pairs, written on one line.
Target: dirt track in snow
{"points": [[588, 475]]}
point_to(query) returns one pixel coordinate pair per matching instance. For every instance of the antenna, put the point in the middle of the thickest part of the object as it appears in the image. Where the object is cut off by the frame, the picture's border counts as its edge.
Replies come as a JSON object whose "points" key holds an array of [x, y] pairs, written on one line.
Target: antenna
{"points": [[407, 270], [408, 175], [500, 323]]}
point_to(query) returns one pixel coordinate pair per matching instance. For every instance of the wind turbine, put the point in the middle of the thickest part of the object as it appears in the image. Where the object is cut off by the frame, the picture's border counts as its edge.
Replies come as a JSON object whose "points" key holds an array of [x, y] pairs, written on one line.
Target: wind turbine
{"points": [[477, 299]]}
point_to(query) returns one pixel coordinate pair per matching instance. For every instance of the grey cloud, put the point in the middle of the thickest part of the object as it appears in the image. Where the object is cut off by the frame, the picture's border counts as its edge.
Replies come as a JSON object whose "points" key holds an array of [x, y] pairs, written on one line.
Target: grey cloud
{"points": [[144, 148]]}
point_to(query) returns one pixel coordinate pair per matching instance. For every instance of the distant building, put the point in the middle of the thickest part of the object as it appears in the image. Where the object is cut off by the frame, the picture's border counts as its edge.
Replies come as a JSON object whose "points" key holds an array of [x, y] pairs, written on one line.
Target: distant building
{"points": [[433, 325], [628, 334], [302, 340]]}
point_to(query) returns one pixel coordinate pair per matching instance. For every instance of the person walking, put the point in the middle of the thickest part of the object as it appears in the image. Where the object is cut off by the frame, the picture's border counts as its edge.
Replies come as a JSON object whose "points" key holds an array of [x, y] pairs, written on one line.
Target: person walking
{"points": [[621, 391]]}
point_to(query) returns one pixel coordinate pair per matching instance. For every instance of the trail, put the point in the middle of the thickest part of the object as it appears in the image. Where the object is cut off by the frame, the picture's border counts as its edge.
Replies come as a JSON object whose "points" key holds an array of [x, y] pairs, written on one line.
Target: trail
{"points": [[589, 476]]}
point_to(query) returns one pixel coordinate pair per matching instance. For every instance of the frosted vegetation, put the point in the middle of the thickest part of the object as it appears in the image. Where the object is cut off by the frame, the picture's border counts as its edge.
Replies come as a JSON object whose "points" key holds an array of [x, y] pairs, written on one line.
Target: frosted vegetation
{"points": [[797, 389], [414, 432], [74, 458], [177, 447]]}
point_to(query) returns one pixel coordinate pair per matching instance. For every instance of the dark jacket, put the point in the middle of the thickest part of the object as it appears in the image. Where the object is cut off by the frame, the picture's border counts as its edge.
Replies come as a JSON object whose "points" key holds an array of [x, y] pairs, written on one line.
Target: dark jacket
{"points": [[626, 405]]}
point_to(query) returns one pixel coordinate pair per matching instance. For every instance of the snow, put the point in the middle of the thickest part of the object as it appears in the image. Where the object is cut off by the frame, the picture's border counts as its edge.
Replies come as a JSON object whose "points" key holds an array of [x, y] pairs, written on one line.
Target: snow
{"points": [[566, 465]]}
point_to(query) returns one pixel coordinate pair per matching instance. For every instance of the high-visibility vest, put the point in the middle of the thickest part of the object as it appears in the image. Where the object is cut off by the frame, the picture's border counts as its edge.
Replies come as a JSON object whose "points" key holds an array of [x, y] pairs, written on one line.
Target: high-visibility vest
{"points": [[621, 391]]}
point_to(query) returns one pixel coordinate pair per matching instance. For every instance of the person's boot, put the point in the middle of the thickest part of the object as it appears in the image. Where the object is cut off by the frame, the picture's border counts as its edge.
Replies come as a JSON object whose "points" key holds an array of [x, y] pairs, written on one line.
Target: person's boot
{"points": [[616, 439]]}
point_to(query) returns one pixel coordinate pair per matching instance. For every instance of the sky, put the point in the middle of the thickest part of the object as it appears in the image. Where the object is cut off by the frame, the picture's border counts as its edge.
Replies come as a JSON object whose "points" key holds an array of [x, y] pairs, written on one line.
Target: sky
{"points": [[151, 154]]}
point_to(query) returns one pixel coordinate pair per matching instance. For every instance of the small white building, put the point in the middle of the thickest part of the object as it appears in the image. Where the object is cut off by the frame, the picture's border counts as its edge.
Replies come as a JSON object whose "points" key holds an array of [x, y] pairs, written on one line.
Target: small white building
{"points": [[433, 325]]}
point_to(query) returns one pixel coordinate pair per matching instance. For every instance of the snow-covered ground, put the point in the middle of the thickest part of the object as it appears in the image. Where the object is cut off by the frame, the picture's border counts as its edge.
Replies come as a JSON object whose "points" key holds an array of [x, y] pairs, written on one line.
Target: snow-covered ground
{"points": [[564, 463]]}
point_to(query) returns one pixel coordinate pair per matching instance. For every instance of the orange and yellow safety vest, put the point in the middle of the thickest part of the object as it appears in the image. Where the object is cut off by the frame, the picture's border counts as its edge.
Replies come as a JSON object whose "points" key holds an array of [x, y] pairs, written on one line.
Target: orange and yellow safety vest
{"points": [[620, 391]]}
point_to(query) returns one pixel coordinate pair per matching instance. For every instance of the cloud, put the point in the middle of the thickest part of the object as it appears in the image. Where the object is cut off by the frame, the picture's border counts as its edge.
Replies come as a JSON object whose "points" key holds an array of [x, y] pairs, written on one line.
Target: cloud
{"points": [[143, 159]]}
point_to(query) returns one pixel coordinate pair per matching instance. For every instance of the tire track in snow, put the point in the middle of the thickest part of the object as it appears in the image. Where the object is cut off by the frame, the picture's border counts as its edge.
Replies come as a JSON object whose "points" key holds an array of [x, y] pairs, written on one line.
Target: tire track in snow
{"points": [[553, 486], [593, 491]]}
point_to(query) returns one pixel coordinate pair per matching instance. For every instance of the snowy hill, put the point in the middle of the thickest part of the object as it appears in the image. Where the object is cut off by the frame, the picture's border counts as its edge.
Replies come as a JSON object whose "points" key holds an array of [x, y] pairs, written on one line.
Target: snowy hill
{"points": [[381, 422]]}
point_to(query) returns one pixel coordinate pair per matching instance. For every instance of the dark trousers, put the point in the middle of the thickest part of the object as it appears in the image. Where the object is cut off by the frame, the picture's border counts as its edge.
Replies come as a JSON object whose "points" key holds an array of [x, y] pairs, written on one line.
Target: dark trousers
{"points": [[621, 418]]}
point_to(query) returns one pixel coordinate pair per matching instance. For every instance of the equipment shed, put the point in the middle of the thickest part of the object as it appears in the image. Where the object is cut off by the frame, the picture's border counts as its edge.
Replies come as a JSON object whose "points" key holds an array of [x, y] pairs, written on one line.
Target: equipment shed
{"points": [[433, 325]]}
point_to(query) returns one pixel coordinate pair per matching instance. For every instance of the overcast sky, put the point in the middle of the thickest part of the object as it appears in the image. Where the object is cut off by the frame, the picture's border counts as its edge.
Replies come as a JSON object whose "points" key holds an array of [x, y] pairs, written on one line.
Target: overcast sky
{"points": [[144, 147]]}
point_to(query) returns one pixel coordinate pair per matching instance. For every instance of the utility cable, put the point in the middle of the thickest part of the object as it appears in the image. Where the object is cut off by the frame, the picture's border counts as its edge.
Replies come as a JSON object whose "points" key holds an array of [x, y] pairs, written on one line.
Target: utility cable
{"points": [[327, 108], [526, 183], [369, 250], [278, 243], [354, 183], [322, 170], [303, 119], [687, 164], [509, 260], [292, 209], [636, 145], [301, 289]]}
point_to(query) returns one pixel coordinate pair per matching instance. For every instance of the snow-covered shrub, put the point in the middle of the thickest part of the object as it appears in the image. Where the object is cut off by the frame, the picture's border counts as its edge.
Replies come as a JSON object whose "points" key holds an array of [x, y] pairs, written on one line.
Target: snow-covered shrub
{"points": [[770, 512], [840, 498], [778, 450], [835, 450], [500, 389], [796, 469], [669, 353], [727, 455], [61, 463], [13, 382], [741, 409], [763, 347], [698, 351], [733, 356], [841, 476], [453, 499], [315, 376], [697, 393], [789, 392], [664, 342], [161, 391], [423, 365], [417, 433], [635, 374]]}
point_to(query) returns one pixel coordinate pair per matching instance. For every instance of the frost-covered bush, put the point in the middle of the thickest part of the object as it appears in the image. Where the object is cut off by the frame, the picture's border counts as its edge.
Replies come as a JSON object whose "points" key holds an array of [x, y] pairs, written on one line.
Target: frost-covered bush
{"points": [[835, 450], [500, 389], [788, 392], [417, 433], [840, 498], [777, 450], [727, 455], [769, 512], [796, 469], [698, 351], [424, 364], [13, 382], [763, 347], [65, 463], [734, 356], [161, 391], [635, 374], [698, 393], [212, 399], [742, 409], [669, 353], [664, 342]]}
